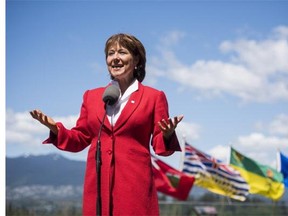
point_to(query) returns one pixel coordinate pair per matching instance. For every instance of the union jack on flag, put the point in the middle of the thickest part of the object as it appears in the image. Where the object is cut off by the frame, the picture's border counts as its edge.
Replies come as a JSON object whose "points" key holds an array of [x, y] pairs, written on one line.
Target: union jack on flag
{"points": [[214, 175]]}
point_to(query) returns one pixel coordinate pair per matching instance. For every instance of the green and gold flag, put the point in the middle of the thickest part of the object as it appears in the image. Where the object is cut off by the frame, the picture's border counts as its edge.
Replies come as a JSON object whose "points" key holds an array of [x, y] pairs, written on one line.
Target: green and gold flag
{"points": [[263, 180]]}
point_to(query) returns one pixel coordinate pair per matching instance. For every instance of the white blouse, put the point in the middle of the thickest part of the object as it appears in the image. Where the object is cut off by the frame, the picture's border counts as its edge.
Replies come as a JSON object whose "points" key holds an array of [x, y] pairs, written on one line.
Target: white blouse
{"points": [[113, 112]]}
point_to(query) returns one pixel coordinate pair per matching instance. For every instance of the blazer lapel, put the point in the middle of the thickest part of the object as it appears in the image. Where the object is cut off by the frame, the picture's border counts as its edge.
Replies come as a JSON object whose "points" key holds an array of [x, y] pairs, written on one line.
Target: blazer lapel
{"points": [[130, 107]]}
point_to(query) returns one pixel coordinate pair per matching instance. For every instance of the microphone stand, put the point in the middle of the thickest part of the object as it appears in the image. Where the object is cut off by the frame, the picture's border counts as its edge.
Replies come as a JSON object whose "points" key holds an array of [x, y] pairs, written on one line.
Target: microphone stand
{"points": [[110, 96], [98, 168]]}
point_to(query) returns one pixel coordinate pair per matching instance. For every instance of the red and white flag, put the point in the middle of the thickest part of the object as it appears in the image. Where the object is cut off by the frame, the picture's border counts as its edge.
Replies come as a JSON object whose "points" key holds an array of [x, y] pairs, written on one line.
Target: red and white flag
{"points": [[171, 181]]}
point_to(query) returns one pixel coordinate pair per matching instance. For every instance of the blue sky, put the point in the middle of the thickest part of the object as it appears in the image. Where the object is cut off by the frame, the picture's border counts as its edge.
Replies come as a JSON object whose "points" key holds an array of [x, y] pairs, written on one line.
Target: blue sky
{"points": [[223, 64]]}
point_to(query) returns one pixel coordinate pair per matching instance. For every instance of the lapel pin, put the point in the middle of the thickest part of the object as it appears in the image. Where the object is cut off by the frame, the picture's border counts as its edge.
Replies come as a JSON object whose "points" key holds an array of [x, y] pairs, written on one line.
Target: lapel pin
{"points": [[132, 101]]}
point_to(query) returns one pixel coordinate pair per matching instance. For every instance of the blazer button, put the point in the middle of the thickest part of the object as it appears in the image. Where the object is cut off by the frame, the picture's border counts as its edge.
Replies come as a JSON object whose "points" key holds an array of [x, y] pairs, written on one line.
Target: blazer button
{"points": [[109, 152]]}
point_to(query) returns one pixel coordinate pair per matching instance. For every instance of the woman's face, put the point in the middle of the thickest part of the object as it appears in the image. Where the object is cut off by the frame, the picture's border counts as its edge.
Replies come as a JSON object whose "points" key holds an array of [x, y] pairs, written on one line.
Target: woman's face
{"points": [[120, 62]]}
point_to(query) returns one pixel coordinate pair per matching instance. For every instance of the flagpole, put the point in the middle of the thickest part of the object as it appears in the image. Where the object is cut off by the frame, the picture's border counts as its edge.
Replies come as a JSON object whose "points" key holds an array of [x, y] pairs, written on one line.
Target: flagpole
{"points": [[278, 161], [229, 200], [181, 165]]}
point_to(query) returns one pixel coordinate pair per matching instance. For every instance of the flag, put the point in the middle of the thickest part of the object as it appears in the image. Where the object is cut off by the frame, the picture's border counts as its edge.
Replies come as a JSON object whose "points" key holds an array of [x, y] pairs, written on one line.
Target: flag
{"points": [[214, 175], [263, 180], [284, 168], [171, 181]]}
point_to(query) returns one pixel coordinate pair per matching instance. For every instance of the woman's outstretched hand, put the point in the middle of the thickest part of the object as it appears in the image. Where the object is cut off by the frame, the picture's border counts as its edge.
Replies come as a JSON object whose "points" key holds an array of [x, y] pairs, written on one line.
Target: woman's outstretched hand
{"points": [[45, 120], [168, 126]]}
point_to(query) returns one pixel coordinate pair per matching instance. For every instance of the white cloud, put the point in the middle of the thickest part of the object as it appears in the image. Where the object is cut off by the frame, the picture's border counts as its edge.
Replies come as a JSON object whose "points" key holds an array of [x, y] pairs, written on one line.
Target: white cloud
{"points": [[259, 57], [24, 134], [220, 152], [259, 146], [279, 125], [172, 38], [259, 141], [256, 71], [281, 32], [264, 144], [188, 131]]}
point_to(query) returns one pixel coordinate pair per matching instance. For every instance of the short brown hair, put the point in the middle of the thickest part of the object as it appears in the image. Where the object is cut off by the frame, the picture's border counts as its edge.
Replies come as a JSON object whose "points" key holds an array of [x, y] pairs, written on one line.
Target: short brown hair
{"points": [[135, 47]]}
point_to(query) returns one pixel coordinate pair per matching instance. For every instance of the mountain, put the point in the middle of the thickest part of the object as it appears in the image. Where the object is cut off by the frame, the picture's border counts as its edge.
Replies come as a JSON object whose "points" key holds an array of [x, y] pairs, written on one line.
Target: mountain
{"points": [[51, 169]]}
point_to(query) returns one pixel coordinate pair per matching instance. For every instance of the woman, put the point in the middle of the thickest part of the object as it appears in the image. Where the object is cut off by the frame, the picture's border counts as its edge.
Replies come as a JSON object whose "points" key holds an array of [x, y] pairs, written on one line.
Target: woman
{"points": [[127, 185]]}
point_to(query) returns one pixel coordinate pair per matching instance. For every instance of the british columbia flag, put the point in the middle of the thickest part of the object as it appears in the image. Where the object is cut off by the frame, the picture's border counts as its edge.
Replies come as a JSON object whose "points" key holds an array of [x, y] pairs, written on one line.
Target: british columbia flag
{"points": [[214, 175]]}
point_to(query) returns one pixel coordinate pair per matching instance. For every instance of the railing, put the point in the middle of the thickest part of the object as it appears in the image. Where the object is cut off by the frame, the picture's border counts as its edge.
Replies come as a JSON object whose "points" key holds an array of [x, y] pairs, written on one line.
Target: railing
{"points": [[174, 208]]}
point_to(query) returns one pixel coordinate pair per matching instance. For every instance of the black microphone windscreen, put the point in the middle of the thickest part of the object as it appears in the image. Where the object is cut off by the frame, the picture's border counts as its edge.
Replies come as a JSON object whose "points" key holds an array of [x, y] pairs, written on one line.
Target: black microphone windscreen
{"points": [[111, 95]]}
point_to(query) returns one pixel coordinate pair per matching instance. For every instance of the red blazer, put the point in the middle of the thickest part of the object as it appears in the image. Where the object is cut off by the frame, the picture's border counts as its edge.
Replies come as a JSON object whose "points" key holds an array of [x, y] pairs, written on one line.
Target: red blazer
{"points": [[127, 184]]}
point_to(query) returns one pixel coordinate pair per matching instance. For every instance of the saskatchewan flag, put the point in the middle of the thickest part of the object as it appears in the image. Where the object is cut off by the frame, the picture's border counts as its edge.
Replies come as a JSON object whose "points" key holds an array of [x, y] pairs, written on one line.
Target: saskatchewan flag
{"points": [[263, 180]]}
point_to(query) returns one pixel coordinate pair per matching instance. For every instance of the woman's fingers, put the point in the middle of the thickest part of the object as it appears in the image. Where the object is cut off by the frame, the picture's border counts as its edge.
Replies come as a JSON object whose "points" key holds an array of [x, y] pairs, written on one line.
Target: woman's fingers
{"points": [[169, 124]]}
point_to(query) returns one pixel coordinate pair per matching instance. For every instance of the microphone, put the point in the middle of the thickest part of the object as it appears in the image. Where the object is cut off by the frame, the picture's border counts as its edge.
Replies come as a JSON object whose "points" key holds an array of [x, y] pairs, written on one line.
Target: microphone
{"points": [[111, 95]]}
